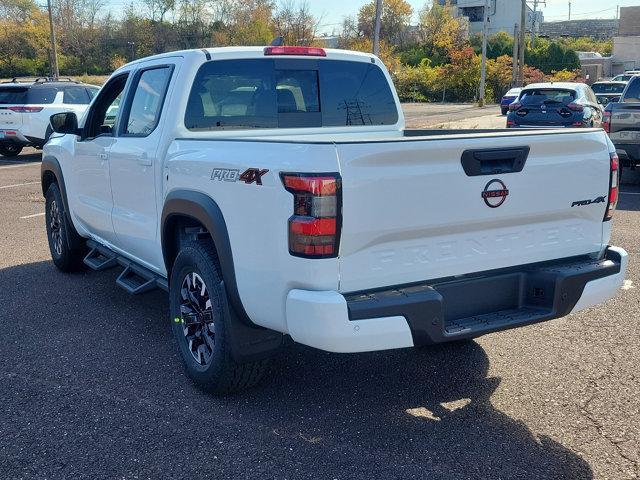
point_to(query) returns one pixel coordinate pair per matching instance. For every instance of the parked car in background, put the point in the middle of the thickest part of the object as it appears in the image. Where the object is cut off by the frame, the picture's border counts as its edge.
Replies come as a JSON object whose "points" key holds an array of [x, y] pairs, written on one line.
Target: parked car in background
{"points": [[622, 123], [608, 91], [508, 98], [624, 77], [563, 104], [25, 108]]}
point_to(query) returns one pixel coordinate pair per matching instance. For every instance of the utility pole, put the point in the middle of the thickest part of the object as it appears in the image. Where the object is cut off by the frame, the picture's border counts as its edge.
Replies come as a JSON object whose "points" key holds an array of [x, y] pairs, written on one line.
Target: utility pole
{"points": [[55, 73], [534, 20], [483, 72], [521, 38], [515, 76], [569, 9], [376, 31]]}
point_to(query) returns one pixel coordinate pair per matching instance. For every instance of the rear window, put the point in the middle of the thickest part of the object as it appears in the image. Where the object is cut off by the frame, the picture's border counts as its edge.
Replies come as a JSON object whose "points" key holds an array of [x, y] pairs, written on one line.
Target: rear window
{"points": [[11, 95], [27, 95], [632, 93], [544, 95], [608, 87], [288, 93]]}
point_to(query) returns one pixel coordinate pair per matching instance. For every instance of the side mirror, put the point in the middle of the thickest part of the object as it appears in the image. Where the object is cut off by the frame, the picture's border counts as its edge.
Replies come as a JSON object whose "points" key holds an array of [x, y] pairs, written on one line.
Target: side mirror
{"points": [[603, 100], [66, 122]]}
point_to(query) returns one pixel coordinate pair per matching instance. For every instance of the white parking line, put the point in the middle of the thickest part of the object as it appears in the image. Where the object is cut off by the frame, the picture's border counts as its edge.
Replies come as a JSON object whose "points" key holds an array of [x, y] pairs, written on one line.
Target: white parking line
{"points": [[18, 185], [31, 216]]}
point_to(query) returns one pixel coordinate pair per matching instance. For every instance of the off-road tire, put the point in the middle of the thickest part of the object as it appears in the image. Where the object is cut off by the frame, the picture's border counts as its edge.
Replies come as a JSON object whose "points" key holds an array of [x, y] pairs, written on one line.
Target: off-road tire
{"points": [[222, 375], [66, 246]]}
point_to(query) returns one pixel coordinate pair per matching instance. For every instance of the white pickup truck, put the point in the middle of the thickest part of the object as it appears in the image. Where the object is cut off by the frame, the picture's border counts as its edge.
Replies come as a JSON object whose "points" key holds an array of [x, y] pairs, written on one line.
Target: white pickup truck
{"points": [[274, 192]]}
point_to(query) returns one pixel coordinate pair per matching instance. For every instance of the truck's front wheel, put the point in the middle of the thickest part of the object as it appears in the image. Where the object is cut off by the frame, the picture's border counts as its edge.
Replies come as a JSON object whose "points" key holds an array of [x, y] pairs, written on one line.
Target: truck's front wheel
{"points": [[66, 246], [198, 303]]}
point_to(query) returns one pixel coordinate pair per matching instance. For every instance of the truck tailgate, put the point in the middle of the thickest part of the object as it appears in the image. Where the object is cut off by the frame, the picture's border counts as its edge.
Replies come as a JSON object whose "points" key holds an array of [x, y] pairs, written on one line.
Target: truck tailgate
{"points": [[411, 212], [625, 123]]}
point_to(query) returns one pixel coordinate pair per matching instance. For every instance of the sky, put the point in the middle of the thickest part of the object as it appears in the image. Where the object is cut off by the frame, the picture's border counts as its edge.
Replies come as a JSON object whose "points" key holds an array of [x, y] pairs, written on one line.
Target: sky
{"points": [[332, 11]]}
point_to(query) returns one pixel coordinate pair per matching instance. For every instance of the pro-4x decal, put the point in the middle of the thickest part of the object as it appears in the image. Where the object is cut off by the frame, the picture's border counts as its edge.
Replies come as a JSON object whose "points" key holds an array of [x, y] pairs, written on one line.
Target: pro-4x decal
{"points": [[249, 176]]}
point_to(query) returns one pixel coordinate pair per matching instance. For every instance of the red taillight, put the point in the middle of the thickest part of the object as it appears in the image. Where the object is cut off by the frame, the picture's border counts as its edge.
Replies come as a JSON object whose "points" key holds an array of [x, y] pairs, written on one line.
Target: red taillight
{"points": [[606, 122], [613, 186], [305, 51], [26, 109], [577, 124], [514, 106], [510, 123], [575, 107], [314, 228]]}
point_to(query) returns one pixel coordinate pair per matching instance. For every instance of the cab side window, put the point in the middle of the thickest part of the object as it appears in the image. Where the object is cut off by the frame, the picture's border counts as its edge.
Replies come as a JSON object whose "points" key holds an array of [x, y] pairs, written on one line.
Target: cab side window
{"points": [[144, 112], [105, 110]]}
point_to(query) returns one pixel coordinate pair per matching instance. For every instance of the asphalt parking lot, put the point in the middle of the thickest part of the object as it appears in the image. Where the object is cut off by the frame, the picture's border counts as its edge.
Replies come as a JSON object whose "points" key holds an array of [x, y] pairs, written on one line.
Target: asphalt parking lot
{"points": [[91, 386]]}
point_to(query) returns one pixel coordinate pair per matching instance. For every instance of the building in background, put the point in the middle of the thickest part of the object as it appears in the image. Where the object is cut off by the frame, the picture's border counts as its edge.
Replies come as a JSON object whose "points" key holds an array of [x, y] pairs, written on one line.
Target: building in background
{"points": [[629, 22], [503, 15], [601, 29], [626, 45], [594, 66]]}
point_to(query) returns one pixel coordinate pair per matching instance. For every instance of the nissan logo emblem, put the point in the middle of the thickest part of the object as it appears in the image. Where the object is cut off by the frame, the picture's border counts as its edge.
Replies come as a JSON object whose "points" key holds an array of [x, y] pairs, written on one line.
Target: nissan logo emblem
{"points": [[495, 193]]}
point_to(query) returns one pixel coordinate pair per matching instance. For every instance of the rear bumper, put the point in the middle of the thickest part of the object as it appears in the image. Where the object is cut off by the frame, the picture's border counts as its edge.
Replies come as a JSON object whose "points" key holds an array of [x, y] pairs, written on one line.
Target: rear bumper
{"points": [[452, 309], [13, 136]]}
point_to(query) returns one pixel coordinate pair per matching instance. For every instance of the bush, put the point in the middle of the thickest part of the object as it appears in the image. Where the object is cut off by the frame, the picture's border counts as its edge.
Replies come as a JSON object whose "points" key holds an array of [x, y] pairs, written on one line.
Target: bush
{"points": [[566, 76], [418, 84]]}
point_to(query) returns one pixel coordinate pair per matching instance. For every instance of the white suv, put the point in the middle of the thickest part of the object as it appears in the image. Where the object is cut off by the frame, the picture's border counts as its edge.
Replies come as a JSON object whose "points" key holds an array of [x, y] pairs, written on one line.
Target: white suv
{"points": [[25, 108]]}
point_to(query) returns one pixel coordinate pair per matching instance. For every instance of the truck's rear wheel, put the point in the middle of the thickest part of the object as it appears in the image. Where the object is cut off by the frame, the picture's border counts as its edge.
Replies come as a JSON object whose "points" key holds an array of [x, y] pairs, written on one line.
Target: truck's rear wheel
{"points": [[66, 246], [10, 150], [197, 304]]}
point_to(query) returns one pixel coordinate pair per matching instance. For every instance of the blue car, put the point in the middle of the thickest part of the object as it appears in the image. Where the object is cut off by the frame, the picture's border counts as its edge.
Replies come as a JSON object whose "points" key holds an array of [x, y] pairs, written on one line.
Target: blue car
{"points": [[508, 98], [566, 104]]}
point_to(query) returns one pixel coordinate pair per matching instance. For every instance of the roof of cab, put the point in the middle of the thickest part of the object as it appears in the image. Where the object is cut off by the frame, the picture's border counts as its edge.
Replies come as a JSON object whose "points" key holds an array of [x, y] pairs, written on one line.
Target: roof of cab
{"points": [[250, 52]]}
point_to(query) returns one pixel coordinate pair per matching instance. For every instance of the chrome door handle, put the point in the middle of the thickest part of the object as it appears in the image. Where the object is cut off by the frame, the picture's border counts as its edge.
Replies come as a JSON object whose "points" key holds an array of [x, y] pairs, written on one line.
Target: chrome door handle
{"points": [[103, 156]]}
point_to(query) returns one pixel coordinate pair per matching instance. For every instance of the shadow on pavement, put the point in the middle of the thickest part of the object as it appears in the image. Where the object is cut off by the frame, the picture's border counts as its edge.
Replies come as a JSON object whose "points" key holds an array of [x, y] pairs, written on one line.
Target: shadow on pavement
{"points": [[29, 156], [90, 380]]}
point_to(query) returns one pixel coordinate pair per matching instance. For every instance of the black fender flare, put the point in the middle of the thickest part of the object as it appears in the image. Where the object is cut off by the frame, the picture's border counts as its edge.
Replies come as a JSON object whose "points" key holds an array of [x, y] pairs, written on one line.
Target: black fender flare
{"points": [[50, 171], [249, 340], [51, 166]]}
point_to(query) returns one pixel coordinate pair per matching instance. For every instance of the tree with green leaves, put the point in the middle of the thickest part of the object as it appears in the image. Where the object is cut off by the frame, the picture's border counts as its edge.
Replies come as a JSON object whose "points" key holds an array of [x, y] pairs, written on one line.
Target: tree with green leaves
{"points": [[440, 33], [396, 15]]}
